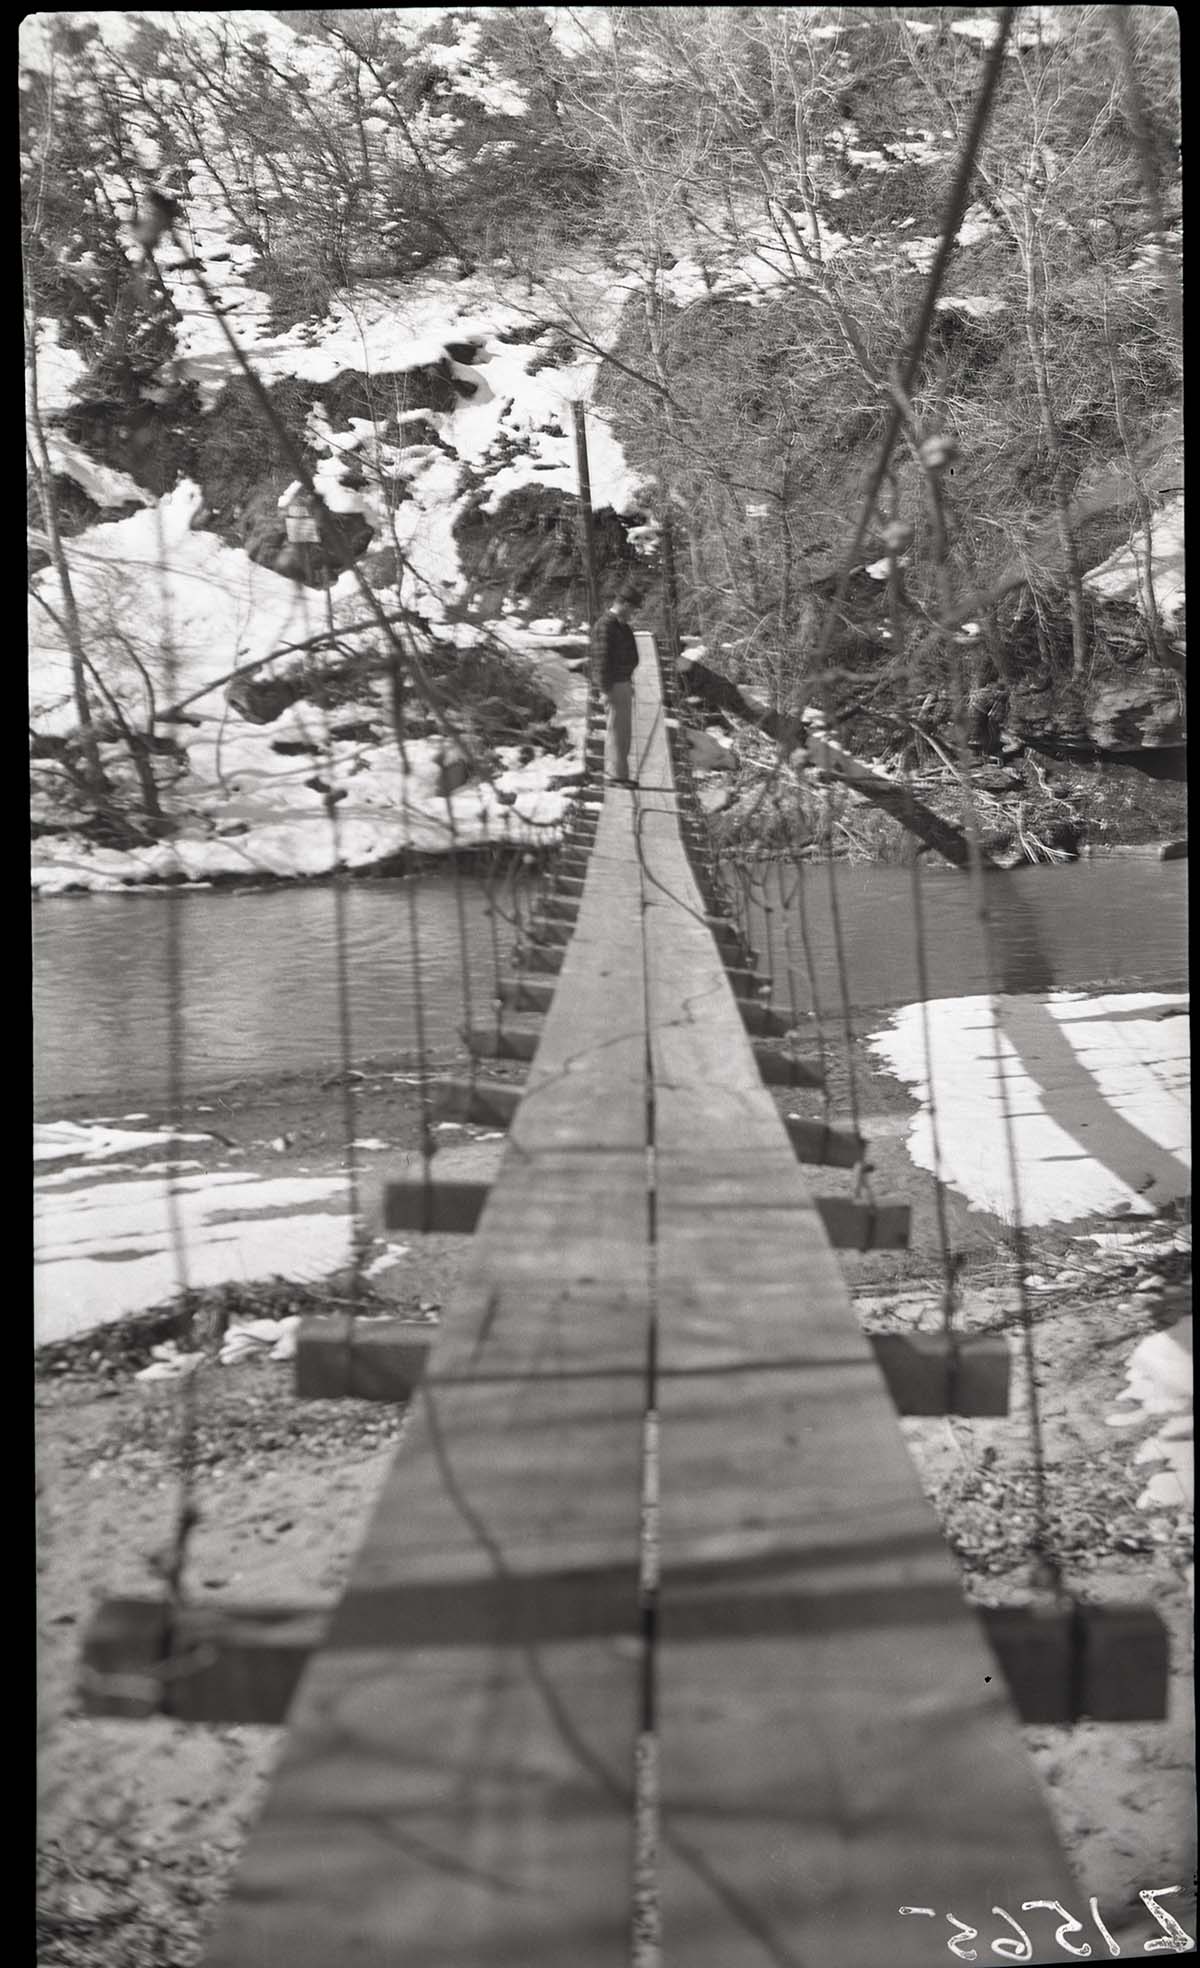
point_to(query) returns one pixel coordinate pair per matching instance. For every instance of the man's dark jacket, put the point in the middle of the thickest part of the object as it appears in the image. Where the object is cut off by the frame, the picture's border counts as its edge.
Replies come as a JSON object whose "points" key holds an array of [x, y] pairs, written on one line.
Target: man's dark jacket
{"points": [[614, 651]]}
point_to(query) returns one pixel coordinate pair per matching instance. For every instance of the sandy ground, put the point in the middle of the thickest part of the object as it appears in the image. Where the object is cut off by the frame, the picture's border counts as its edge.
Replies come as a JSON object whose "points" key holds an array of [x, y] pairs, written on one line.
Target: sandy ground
{"points": [[141, 1823]]}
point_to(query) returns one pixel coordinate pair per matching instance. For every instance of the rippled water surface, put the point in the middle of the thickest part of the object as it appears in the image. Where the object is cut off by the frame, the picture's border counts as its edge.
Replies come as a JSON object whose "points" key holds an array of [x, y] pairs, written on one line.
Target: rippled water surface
{"points": [[260, 969], [1117, 924]]}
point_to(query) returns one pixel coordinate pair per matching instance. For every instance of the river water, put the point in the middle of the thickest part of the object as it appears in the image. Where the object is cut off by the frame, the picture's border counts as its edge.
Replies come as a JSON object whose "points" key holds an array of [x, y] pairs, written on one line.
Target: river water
{"points": [[260, 977]]}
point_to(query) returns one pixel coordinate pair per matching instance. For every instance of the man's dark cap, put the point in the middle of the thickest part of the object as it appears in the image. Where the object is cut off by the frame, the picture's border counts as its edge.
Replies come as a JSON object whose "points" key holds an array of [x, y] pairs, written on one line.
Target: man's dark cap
{"points": [[628, 591]]}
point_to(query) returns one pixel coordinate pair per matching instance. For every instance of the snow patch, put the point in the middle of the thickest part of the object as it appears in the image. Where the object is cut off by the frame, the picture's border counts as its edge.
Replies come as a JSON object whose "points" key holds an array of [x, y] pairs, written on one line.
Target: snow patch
{"points": [[55, 1141], [106, 1250], [1097, 1097], [1158, 1388], [104, 484], [977, 306], [59, 370], [1122, 577]]}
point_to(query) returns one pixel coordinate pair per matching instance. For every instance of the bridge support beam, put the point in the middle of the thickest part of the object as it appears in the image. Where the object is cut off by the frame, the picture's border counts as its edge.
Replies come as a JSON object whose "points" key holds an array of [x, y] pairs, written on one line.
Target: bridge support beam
{"points": [[436, 1208], [785, 1070], [241, 1664], [485, 1103], [817, 1142], [447, 1207], [543, 957], [857, 1226], [505, 1041], [384, 1359], [343, 1357], [526, 993]]}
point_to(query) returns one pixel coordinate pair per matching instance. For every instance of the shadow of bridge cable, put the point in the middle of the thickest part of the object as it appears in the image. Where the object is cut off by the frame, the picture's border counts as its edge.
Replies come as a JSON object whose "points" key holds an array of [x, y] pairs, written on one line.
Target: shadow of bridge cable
{"points": [[1071, 1097], [774, 1595], [1068, 1092]]}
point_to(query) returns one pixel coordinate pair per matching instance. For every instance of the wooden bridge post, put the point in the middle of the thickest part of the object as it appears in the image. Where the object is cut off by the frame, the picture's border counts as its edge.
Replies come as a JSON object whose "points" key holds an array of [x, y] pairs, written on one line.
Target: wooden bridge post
{"points": [[583, 473]]}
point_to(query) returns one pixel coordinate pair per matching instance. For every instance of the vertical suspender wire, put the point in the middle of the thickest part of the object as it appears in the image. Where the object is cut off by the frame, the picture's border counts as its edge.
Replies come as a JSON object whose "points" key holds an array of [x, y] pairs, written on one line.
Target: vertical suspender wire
{"points": [[920, 947], [341, 877], [753, 938], [813, 988], [583, 475], [839, 950], [920, 951], [767, 911], [489, 883], [734, 894], [399, 725], [428, 1144], [187, 1511], [464, 952], [1047, 1570], [787, 898], [543, 863], [741, 912], [522, 940], [512, 915]]}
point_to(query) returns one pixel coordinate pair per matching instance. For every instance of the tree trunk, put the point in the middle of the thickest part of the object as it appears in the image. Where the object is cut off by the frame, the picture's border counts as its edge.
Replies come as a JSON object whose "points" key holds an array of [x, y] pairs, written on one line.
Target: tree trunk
{"points": [[138, 746], [1062, 505], [43, 478]]}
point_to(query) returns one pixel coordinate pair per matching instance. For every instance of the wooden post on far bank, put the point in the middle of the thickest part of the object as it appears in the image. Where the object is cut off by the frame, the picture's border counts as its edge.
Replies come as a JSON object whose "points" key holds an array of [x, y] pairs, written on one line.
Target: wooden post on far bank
{"points": [[670, 591], [585, 510]]}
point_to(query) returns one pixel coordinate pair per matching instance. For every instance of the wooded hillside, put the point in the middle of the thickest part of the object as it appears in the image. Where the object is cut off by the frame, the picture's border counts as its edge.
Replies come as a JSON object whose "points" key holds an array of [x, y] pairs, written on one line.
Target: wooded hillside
{"points": [[716, 223]]}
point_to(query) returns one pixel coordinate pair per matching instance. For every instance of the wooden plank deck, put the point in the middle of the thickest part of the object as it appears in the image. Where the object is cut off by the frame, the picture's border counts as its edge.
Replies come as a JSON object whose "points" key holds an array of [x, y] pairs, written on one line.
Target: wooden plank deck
{"points": [[456, 1789], [834, 1738]]}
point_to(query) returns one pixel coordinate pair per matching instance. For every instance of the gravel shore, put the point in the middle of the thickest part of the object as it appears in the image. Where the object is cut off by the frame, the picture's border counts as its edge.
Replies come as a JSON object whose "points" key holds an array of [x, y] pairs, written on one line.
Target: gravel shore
{"points": [[141, 1823]]}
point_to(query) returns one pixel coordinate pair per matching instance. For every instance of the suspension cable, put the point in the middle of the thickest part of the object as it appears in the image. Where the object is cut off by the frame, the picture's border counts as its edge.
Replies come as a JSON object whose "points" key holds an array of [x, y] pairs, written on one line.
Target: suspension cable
{"points": [[813, 987], [173, 1563], [1046, 1566], [894, 543], [464, 953], [341, 877]]}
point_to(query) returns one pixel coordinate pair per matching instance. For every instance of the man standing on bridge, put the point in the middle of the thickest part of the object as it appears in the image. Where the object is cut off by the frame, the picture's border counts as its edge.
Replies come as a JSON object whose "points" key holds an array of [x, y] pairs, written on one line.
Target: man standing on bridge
{"points": [[616, 660]]}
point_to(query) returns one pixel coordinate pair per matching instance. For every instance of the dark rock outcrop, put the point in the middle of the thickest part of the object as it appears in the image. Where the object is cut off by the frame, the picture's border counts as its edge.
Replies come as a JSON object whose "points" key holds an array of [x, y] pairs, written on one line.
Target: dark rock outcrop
{"points": [[1144, 711], [242, 464], [260, 700], [1141, 710], [530, 550]]}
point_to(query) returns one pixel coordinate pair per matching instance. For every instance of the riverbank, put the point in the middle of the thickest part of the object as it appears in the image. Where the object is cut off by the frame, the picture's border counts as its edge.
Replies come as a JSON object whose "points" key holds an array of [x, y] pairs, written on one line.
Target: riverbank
{"points": [[263, 1182], [142, 1824], [491, 862], [1031, 809]]}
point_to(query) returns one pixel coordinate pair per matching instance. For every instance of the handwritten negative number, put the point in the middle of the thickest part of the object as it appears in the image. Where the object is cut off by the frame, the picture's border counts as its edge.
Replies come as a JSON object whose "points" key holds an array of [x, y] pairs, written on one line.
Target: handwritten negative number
{"points": [[1021, 1950], [1172, 1940], [967, 1934], [1070, 1925]]}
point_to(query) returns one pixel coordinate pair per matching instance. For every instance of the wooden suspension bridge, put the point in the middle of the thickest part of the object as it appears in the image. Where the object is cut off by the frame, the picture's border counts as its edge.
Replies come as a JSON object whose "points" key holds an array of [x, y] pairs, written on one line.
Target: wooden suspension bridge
{"points": [[652, 1622]]}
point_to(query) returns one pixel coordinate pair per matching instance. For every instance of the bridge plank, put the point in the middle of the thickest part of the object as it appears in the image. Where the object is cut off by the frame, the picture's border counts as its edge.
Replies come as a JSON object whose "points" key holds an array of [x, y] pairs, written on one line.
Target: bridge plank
{"points": [[831, 1746], [456, 1787]]}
